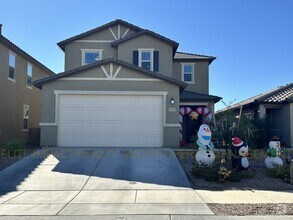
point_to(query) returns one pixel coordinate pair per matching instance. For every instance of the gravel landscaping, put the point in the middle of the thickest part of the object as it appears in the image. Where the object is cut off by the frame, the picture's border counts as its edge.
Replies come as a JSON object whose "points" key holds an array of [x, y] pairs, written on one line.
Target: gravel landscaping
{"points": [[252, 209], [258, 182]]}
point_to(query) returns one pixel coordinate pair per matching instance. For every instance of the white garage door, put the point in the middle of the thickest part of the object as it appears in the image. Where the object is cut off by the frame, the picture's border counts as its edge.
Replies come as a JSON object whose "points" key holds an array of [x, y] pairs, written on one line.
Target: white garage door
{"points": [[110, 120]]}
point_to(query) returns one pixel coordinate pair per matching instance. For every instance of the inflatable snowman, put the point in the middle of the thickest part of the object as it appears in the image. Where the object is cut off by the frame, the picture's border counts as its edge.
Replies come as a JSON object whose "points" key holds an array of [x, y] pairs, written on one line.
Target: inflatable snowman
{"points": [[273, 154], [239, 154], [205, 154]]}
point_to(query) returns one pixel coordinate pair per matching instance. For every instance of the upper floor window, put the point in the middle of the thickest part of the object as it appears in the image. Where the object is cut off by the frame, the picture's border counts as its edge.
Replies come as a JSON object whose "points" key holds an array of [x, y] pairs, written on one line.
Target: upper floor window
{"points": [[91, 55], [29, 74], [12, 57], [25, 117], [188, 72], [145, 58]]}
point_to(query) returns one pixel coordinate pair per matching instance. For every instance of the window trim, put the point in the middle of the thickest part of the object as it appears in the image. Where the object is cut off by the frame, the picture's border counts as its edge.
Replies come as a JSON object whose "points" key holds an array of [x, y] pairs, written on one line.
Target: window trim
{"points": [[151, 50], [29, 64], [28, 107], [15, 55], [192, 73], [83, 51]]}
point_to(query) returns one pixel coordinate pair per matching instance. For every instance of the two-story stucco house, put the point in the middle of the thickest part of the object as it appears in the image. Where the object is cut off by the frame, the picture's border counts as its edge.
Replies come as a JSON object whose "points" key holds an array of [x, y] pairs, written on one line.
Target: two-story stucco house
{"points": [[19, 100], [122, 86]]}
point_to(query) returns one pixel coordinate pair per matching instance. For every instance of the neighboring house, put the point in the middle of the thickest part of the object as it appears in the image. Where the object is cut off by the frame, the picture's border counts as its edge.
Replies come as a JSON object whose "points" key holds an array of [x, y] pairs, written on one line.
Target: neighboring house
{"points": [[129, 97], [275, 105], [19, 100]]}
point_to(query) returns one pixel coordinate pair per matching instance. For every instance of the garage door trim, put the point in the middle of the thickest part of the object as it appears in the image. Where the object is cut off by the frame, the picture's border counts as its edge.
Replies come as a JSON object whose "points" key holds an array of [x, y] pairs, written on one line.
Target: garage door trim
{"points": [[128, 93]]}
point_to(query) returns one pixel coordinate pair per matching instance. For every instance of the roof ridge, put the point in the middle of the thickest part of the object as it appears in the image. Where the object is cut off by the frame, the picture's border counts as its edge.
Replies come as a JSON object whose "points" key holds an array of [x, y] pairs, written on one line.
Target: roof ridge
{"points": [[25, 54], [93, 30]]}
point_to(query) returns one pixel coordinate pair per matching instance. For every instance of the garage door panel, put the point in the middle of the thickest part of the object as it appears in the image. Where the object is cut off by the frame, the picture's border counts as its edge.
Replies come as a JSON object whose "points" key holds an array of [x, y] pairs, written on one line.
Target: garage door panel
{"points": [[107, 126], [110, 120]]}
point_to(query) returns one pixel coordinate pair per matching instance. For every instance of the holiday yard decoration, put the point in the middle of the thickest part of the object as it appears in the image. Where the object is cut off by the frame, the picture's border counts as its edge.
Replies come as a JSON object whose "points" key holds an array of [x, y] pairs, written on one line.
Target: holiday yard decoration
{"points": [[185, 111], [239, 154], [273, 153], [205, 154], [207, 116]]}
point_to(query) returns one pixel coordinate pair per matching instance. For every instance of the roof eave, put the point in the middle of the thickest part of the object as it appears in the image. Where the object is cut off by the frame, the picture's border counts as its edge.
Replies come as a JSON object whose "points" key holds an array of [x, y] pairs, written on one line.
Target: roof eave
{"points": [[18, 50], [195, 59], [62, 43], [147, 32], [40, 82]]}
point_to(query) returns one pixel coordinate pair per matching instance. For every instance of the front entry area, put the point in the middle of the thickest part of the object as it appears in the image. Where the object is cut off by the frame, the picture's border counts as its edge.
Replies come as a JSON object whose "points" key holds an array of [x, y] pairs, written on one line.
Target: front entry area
{"points": [[110, 120]]}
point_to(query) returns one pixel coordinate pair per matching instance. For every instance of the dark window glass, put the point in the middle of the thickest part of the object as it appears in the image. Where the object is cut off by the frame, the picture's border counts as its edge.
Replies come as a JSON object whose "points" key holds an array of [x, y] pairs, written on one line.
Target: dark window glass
{"points": [[91, 57], [146, 65], [25, 124], [11, 72], [187, 77]]}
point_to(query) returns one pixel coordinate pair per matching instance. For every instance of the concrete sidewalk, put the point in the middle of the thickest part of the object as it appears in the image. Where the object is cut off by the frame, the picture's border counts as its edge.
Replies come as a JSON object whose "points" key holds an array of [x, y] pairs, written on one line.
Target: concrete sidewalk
{"points": [[245, 196], [147, 217]]}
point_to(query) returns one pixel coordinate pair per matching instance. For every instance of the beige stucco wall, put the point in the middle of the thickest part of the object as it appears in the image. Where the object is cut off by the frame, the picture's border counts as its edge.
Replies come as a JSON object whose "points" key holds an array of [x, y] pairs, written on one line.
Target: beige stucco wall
{"points": [[125, 52], [73, 54], [14, 95], [201, 75], [49, 133]]}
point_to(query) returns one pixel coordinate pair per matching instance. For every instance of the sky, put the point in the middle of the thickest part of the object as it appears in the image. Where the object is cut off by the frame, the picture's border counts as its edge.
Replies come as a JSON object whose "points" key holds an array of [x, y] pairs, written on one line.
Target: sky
{"points": [[252, 40]]}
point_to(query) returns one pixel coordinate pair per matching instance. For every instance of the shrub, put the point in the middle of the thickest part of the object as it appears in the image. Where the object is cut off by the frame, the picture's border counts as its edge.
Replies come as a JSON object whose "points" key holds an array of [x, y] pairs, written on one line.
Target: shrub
{"points": [[13, 148], [228, 124], [280, 172], [218, 172]]}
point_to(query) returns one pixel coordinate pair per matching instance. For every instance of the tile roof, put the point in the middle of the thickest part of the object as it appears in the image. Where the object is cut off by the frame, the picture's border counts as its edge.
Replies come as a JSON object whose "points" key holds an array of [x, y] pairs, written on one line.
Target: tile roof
{"points": [[188, 96], [21, 52], [40, 82], [182, 55], [279, 95]]}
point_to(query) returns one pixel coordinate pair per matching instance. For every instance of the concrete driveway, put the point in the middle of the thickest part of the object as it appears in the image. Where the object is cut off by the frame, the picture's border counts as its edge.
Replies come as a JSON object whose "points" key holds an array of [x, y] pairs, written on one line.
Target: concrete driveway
{"points": [[98, 181]]}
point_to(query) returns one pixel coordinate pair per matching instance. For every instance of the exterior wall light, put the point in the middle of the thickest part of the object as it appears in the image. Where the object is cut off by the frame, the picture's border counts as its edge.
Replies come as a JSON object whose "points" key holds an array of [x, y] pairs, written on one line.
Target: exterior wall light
{"points": [[172, 101]]}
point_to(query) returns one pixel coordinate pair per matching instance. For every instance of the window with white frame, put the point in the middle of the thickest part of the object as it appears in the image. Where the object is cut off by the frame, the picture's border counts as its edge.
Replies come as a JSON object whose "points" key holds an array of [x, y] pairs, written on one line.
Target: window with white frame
{"points": [[91, 55], [25, 117], [29, 73], [145, 58], [188, 72], [12, 57]]}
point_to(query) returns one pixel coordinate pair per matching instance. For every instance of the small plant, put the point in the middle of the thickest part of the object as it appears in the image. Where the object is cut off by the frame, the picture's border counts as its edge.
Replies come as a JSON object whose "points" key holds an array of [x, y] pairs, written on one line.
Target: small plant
{"points": [[208, 173], [13, 148], [219, 172], [280, 172]]}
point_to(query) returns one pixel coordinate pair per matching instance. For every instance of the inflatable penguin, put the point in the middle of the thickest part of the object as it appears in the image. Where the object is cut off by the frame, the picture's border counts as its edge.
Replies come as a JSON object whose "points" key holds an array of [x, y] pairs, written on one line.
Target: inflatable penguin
{"points": [[239, 154], [205, 154], [273, 154]]}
